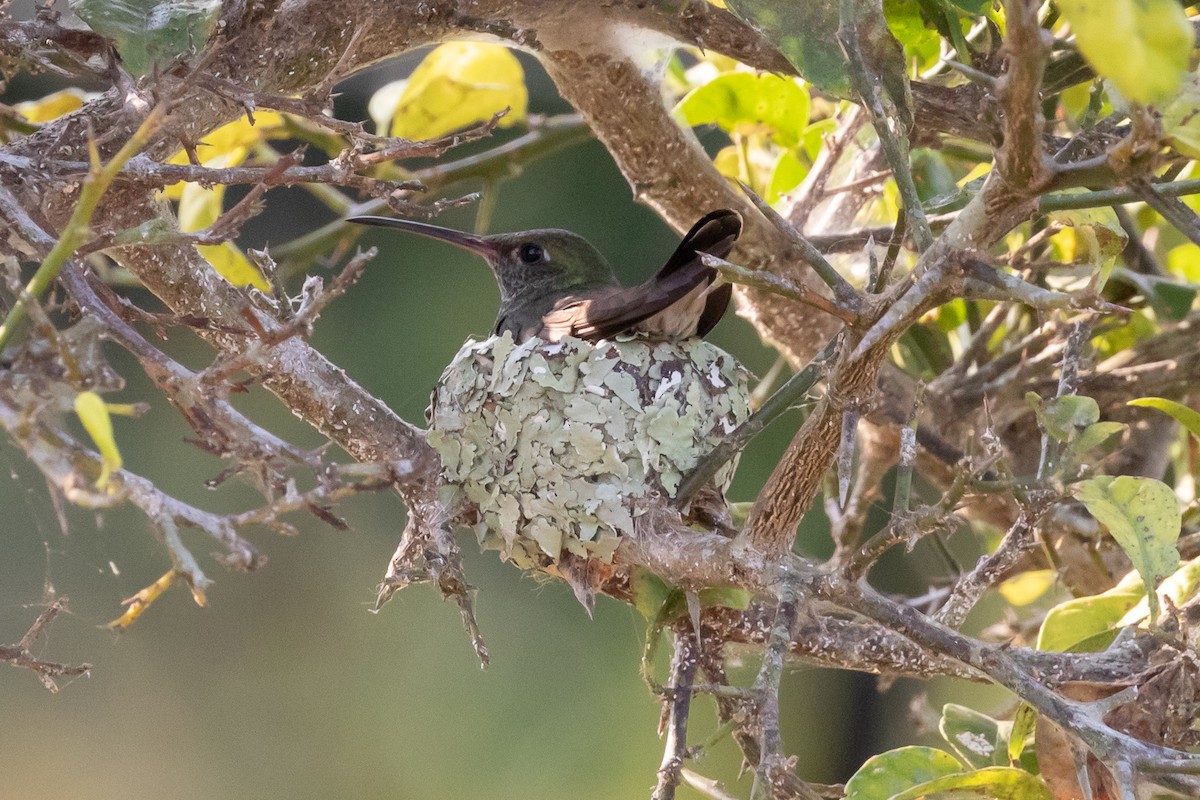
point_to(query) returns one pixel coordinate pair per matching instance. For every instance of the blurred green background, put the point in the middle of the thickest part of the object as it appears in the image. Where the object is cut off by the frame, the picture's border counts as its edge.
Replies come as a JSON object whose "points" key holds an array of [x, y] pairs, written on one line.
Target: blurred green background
{"points": [[286, 685]]}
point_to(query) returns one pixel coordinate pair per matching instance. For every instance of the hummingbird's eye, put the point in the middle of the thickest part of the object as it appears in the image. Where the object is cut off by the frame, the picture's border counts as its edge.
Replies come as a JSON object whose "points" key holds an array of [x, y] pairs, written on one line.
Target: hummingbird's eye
{"points": [[531, 253]]}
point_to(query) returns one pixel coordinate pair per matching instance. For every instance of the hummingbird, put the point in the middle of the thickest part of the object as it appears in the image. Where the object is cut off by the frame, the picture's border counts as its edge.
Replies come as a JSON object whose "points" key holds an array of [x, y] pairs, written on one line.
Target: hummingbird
{"points": [[554, 283]]}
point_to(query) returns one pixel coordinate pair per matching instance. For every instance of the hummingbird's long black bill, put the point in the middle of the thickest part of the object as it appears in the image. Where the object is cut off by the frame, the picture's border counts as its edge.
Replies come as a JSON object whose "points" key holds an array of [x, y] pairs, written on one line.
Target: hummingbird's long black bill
{"points": [[478, 245]]}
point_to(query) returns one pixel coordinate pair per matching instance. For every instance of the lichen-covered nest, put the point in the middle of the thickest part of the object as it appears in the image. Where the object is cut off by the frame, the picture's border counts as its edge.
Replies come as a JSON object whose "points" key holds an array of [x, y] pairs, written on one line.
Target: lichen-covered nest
{"points": [[558, 446]]}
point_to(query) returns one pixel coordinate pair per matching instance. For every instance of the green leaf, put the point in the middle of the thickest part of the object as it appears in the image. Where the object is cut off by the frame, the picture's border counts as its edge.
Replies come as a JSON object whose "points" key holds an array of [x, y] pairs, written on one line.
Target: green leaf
{"points": [[787, 174], [931, 346], [1094, 236], [1167, 297], [1098, 433], [976, 738], [726, 597], [806, 34], [649, 591], [1141, 46], [931, 175], [1143, 515], [813, 138], [1138, 326], [1187, 417], [883, 776], [1176, 300], [1062, 417], [1093, 436], [150, 31], [1000, 783], [1023, 726], [921, 43], [1078, 624], [951, 315], [749, 103]]}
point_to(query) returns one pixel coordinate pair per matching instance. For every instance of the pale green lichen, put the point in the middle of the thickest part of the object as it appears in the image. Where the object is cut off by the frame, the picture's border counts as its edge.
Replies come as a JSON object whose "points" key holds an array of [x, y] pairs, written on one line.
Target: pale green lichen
{"points": [[558, 446]]}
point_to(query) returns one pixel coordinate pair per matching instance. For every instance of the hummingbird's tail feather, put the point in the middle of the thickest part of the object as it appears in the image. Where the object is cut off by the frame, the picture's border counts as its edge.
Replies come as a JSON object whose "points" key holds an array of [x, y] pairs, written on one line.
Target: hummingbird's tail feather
{"points": [[714, 308], [714, 234], [676, 303]]}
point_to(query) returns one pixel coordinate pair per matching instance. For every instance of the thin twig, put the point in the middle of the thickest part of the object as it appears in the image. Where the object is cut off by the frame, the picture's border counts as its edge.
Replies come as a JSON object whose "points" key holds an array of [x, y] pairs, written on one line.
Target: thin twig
{"points": [[895, 147], [908, 456], [75, 233], [811, 192], [784, 398], [772, 763], [843, 292], [776, 284], [1172, 209], [678, 702], [19, 654]]}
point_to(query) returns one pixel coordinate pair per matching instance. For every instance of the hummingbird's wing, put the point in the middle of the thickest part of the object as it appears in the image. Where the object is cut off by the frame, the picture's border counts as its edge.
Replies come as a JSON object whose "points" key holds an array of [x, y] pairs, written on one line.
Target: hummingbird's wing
{"points": [[651, 306]]}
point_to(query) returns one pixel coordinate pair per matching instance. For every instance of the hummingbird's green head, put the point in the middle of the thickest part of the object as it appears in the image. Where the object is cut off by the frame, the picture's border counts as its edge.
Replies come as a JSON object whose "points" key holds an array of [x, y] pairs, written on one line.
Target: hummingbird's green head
{"points": [[527, 264]]}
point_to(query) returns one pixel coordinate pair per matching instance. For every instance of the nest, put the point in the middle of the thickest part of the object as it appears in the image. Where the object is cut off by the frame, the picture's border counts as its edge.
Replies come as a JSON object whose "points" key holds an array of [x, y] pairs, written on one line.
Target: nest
{"points": [[558, 447]]}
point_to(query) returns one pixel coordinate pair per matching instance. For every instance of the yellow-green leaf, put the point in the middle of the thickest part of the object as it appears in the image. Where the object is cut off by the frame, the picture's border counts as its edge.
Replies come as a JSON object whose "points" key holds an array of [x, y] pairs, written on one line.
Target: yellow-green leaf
{"points": [[1181, 118], [786, 175], [729, 163], [1000, 783], [1184, 261], [232, 265], [52, 106], [887, 774], [725, 597], [1143, 515], [749, 103], [382, 105], [1093, 236], [1023, 725], [198, 208], [1138, 326], [649, 591], [1187, 417], [1068, 625], [1023, 589], [233, 139], [1099, 235], [457, 85], [1141, 46], [1179, 587], [93, 413], [228, 145], [1095, 435]]}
